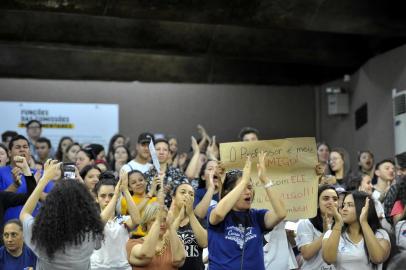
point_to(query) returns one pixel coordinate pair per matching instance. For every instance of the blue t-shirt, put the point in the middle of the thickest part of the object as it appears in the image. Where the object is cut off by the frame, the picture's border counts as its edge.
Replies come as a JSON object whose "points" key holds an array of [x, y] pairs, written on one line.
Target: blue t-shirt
{"points": [[6, 179], [9, 262], [237, 232], [200, 194]]}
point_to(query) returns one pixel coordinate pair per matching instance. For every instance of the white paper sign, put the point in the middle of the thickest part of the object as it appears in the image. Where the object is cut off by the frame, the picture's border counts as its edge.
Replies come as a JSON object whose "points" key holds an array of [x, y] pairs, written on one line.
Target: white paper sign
{"points": [[154, 157]]}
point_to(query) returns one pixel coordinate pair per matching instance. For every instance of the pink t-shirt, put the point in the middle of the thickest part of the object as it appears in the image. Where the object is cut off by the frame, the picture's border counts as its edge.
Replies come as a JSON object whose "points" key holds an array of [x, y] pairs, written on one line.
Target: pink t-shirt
{"points": [[397, 208]]}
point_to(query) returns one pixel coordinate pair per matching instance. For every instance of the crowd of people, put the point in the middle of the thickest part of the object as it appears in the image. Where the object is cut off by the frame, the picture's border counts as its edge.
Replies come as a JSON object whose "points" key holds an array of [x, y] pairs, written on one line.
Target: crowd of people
{"points": [[81, 206]]}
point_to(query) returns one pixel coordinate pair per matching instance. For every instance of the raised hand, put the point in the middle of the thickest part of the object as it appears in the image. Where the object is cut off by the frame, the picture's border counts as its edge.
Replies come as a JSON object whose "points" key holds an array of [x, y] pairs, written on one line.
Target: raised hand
{"points": [[327, 221], [319, 169], [52, 169], [195, 145], [124, 180], [338, 219], [211, 180], [189, 205], [16, 176], [261, 167], [363, 217], [246, 173], [22, 163]]}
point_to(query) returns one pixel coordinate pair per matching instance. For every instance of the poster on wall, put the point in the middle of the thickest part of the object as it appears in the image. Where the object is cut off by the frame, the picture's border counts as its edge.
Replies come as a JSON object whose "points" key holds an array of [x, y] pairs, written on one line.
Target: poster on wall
{"points": [[84, 122]]}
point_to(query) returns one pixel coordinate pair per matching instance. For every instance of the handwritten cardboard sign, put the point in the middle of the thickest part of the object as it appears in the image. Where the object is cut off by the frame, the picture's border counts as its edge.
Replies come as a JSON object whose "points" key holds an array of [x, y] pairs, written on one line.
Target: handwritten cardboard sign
{"points": [[290, 163]]}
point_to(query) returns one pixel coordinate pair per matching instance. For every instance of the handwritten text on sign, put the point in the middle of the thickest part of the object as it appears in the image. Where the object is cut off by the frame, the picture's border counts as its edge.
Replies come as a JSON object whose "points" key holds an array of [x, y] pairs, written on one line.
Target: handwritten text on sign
{"points": [[290, 164]]}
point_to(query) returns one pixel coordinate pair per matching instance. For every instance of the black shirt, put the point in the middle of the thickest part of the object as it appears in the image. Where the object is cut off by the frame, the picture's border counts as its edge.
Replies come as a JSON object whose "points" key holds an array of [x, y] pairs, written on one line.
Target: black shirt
{"points": [[194, 259]]}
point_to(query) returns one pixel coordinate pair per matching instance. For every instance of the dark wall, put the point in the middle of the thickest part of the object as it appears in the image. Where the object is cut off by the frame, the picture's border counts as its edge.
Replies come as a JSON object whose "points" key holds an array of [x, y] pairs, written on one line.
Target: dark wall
{"points": [[176, 109], [372, 84]]}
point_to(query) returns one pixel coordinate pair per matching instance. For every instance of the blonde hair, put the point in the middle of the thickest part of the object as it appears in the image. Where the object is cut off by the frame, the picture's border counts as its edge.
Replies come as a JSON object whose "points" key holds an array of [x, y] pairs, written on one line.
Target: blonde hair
{"points": [[150, 212]]}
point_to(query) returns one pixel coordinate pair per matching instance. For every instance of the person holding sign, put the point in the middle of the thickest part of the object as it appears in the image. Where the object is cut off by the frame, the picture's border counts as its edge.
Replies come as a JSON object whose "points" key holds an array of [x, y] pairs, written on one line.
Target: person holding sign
{"points": [[172, 176], [356, 240], [235, 229], [310, 232]]}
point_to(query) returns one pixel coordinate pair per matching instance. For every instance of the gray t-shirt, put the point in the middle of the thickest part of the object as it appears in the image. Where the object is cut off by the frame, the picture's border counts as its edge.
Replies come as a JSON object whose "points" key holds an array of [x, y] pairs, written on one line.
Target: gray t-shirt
{"points": [[74, 257]]}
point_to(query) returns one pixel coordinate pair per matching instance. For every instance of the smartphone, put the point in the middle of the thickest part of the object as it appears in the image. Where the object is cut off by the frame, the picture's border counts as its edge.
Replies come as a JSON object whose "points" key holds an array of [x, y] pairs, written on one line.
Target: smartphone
{"points": [[68, 170]]}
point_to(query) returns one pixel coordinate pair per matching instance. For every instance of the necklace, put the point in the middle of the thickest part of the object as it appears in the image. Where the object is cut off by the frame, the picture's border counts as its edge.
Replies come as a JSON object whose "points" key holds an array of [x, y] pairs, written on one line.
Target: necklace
{"points": [[160, 251]]}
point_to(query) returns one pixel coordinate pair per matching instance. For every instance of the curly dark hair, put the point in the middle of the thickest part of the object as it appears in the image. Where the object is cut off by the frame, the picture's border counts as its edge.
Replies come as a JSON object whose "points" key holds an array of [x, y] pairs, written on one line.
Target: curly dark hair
{"points": [[69, 216]]}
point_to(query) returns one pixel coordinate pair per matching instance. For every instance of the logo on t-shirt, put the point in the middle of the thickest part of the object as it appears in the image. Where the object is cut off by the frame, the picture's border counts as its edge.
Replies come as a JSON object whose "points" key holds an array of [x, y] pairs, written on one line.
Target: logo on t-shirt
{"points": [[239, 234]]}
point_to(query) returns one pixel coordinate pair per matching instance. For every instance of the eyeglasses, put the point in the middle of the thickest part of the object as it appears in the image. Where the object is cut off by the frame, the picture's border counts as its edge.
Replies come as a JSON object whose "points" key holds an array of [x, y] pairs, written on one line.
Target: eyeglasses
{"points": [[36, 127]]}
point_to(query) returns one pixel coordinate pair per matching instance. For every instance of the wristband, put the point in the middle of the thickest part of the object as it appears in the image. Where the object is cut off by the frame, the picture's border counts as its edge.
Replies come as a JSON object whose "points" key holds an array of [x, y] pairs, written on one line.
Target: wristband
{"points": [[269, 184]]}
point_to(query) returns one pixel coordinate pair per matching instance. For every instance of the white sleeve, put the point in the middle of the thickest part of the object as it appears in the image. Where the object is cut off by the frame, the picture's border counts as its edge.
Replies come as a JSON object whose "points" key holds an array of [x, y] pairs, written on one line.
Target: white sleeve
{"points": [[305, 233], [382, 234], [327, 234], [27, 231], [126, 168]]}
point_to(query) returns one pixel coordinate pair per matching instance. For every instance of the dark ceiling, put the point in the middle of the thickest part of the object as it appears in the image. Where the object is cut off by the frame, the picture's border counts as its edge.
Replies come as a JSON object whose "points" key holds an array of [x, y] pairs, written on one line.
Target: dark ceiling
{"points": [[279, 42]]}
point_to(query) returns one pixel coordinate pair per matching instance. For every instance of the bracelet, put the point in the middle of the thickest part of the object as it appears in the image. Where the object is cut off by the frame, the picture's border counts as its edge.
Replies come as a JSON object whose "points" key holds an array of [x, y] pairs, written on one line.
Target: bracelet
{"points": [[269, 184]]}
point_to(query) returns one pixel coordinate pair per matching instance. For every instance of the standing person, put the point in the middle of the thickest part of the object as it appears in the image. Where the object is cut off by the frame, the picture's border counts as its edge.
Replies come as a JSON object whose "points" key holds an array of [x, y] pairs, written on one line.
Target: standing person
{"points": [[323, 153], [356, 241], [235, 229], [173, 176], [84, 157], [121, 156], [11, 199], [310, 232], [64, 142], [173, 149], [248, 134], [385, 174], [137, 186], [192, 234], [71, 152], [364, 183], [34, 130], [68, 227], [337, 167], [143, 156], [112, 254], [90, 175], [7, 136], [13, 176], [15, 255], [161, 248], [115, 141], [4, 158], [98, 151], [43, 147], [208, 192], [366, 163]]}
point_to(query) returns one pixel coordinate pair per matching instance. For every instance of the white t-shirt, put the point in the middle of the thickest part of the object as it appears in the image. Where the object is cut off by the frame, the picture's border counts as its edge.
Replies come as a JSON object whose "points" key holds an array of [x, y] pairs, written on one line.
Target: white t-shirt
{"points": [[379, 209], [400, 230], [133, 165], [277, 252], [352, 255], [306, 234], [112, 254], [74, 257]]}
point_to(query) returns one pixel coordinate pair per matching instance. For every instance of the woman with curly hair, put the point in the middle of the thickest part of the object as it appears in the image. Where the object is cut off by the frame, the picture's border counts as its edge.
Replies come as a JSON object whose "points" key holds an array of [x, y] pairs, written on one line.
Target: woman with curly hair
{"points": [[68, 227]]}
